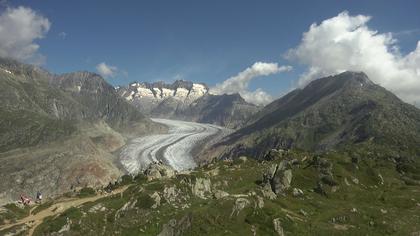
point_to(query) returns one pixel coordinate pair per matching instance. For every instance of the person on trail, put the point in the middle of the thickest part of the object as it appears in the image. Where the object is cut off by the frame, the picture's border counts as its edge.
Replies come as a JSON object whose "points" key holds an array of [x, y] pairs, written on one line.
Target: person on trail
{"points": [[25, 200], [39, 197]]}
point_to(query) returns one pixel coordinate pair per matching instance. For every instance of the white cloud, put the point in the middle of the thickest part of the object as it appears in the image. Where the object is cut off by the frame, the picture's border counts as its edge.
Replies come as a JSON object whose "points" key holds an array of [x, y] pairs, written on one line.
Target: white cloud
{"points": [[62, 35], [346, 42], [106, 70], [239, 83], [19, 28]]}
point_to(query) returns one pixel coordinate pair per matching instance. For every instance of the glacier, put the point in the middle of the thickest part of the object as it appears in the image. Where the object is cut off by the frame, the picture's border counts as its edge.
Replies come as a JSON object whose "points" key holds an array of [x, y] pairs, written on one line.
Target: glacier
{"points": [[174, 148]]}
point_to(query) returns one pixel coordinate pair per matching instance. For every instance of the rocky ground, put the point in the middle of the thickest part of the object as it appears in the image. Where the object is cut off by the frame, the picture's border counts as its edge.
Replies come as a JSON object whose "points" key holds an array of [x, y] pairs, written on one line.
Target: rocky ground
{"points": [[287, 193]]}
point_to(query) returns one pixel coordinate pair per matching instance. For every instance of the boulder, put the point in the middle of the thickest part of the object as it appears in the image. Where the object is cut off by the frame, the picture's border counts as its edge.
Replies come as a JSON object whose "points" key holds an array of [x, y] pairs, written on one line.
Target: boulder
{"points": [[156, 197], [281, 181], [277, 227], [267, 192], [170, 194], [158, 171], [219, 194], [239, 205], [201, 188], [278, 178], [260, 202], [243, 158], [297, 192]]}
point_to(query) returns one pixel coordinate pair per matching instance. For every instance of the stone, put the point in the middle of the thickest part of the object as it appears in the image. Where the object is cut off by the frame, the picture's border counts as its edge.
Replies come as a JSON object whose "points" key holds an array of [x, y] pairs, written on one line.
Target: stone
{"points": [[355, 180], [381, 179], [170, 194], [277, 227], [260, 202], [239, 205], [243, 158], [281, 181], [159, 171], [267, 192], [156, 197], [219, 194], [346, 182], [201, 188], [297, 192], [96, 208]]}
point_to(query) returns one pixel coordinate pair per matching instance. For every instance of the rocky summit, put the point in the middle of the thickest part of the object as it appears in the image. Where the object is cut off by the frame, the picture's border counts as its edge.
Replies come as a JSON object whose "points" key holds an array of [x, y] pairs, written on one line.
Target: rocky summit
{"points": [[188, 101], [154, 98]]}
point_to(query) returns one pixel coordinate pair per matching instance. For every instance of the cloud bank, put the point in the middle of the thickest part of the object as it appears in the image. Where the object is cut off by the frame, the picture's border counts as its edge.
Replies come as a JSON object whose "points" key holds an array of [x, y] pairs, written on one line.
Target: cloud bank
{"points": [[19, 28], [345, 42], [106, 70], [239, 83]]}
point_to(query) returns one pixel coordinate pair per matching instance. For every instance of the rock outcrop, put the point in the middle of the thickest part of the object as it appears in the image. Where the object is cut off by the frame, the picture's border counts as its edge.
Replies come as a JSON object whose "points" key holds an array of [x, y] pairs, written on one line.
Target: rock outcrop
{"points": [[159, 170]]}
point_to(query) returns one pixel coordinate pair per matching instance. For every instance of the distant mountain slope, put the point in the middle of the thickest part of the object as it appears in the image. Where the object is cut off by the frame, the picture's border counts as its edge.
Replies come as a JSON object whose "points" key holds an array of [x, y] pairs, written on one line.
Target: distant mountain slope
{"points": [[330, 112], [188, 101], [59, 132], [99, 99], [225, 110]]}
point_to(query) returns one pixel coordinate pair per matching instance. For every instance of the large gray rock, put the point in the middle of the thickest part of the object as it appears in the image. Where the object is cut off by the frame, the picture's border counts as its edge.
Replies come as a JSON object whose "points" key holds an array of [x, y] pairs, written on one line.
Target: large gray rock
{"points": [[201, 188], [158, 171], [219, 194], [239, 205], [277, 227], [282, 178]]}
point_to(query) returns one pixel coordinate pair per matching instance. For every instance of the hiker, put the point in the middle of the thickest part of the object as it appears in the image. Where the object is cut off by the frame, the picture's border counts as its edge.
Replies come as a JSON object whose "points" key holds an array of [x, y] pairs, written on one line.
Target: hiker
{"points": [[38, 197], [25, 200]]}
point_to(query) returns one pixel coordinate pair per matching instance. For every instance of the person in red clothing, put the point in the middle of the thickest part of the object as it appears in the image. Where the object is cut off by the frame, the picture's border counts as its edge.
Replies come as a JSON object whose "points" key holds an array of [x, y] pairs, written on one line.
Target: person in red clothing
{"points": [[25, 200]]}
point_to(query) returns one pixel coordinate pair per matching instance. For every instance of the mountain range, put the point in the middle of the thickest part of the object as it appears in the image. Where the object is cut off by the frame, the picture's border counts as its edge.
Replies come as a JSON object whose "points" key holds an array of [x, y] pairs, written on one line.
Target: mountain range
{"points": [[339, 156], [329, 113], [61, 131], [185, 100]]}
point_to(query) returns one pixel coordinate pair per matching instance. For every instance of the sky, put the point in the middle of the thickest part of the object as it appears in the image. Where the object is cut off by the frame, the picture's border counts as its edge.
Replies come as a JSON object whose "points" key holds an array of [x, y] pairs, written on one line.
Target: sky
{"points": [[261, 49]]}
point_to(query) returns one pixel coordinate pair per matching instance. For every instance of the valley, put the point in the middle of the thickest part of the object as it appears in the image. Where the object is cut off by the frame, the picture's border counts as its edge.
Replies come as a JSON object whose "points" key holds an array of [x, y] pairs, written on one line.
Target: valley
{"points": [[174, 148]]}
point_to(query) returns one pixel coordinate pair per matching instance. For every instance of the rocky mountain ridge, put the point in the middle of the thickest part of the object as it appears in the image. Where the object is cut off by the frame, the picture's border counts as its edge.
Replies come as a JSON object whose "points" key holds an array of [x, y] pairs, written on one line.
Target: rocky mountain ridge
{"points": [[185, 100], [185, 91], [59, 132], [329, 113]]}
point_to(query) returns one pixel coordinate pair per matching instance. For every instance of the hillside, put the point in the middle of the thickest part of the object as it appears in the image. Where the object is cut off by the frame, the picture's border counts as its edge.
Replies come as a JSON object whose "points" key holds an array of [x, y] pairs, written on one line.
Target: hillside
{"points": [[331, 112], [289, 193], [60, 131]]}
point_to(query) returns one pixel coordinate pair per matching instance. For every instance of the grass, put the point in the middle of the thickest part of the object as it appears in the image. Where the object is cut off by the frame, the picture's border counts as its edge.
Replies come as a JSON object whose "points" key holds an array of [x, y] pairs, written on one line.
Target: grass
{"points": [[13, 213], [42, 207], [381, 209], [86, 192]]}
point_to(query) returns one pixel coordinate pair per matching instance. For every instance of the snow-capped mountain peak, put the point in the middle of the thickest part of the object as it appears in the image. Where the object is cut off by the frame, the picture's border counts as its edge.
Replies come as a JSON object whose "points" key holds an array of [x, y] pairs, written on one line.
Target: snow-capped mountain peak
{"points": [[181, 90]]}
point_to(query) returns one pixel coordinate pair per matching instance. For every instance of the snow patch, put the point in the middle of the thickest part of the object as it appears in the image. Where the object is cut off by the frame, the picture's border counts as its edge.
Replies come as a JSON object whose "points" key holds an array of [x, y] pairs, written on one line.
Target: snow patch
{"points": [[7, 71]]}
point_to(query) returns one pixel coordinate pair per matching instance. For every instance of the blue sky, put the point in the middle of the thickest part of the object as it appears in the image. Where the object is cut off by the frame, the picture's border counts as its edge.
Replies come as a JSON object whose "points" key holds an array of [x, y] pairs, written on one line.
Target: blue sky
{"points": [[203, 41]]}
